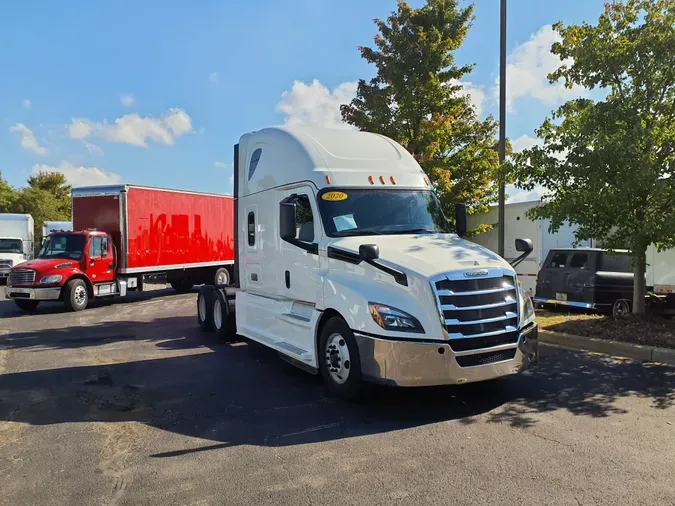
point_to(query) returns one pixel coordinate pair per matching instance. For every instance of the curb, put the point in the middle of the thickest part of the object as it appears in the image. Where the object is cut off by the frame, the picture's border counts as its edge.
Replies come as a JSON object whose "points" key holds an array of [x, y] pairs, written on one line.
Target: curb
{"points": [[616, 348]]}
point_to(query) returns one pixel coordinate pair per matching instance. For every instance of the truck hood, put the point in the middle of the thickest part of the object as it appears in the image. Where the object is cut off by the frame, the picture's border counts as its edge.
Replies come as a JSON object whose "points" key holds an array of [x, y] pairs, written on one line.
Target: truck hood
{"points": [[48, 264], [16, 258], [427, 254]]}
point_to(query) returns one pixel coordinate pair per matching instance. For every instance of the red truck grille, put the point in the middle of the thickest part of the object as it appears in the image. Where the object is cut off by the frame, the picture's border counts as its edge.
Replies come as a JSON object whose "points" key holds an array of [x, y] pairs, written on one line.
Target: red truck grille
{"points": [[22, 277]]}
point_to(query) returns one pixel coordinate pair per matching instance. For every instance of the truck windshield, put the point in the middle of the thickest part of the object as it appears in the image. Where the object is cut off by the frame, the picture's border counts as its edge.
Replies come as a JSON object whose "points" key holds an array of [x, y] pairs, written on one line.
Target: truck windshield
{"points": [[63, 246], [11, 246], [353, 212]]}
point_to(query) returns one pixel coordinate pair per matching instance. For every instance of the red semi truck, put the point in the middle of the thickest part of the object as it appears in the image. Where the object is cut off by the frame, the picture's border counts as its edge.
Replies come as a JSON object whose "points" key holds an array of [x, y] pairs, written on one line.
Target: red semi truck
{"points": [[123, 233]]}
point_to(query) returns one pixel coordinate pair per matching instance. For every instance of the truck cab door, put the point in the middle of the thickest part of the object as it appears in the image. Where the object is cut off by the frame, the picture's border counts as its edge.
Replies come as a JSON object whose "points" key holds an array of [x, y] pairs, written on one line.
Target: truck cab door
{"points": [[298, 280], [100, 265]]}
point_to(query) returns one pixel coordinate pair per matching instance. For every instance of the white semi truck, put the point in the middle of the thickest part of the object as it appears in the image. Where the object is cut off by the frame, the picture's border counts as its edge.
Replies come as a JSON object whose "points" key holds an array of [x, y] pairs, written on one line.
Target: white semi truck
{"points": [[16, 241], [345, 266]]}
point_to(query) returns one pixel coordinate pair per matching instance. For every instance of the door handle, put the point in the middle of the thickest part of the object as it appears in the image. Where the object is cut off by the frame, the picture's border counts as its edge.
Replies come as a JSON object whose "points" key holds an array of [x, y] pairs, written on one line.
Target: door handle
{"points": [[288, 279]]}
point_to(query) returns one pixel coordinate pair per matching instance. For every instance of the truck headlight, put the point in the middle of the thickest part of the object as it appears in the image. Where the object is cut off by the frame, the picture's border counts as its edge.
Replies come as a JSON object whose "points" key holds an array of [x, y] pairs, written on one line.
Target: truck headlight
{"points": [[390, 318], [50, 280], [526, 308]]}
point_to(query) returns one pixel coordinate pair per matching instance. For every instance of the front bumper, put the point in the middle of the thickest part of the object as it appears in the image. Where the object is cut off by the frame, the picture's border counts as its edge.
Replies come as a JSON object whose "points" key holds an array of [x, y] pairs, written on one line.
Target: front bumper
{"points": [[408, 363], [19, 293], [4, 273], [555, 302]]}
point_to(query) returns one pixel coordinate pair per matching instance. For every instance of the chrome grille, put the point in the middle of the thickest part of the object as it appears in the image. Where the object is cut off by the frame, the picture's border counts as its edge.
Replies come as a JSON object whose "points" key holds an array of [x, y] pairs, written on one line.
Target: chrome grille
{"points": [[479, 312], [22, 277], [6, 263]]}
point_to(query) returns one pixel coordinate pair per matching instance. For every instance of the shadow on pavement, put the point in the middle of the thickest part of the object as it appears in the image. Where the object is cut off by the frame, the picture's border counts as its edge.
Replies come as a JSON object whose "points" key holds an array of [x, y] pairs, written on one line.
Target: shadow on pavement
{"points": [[8, 308], [239, 394]]}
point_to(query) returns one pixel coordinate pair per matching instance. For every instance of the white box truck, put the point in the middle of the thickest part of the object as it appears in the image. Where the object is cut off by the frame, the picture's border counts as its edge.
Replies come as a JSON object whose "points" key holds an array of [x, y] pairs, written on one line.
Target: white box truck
{"points": [[517, 224], [56, 226], [16, 241], [345, 266]]}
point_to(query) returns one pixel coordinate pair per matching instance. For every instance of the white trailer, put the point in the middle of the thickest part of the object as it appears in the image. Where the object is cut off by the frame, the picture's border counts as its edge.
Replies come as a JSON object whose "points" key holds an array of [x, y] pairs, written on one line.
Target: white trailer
{"points": [[518, 225], [56, 226], [16, 241], [345, 266]]}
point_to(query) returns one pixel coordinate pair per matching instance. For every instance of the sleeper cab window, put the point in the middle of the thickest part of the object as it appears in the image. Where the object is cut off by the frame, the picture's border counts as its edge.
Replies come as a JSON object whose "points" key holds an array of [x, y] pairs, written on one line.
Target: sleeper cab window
{"points": [[255, 158], [251, 228]]}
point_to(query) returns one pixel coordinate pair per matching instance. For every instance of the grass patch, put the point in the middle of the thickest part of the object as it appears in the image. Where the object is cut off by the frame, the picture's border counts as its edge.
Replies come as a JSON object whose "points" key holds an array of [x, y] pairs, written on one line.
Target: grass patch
{"points": [[650, 330]]}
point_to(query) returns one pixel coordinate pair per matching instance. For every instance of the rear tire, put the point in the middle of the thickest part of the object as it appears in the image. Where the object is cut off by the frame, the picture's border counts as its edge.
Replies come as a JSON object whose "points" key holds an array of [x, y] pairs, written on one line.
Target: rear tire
{"points": [[205, 302], [182, 286], [75, 295], [223, 317], [621, 307], [27, 305], [221, 277], [339, 359]]}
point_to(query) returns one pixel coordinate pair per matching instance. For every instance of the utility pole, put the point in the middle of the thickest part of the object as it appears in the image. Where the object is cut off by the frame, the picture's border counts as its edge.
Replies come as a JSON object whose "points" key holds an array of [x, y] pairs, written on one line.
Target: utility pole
{"points": [[502, 123]]}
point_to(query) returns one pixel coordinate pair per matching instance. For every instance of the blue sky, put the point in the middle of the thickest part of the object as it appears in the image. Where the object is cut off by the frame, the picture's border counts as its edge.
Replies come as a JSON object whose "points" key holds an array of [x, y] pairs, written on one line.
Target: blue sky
{"points": [[156, 93]]}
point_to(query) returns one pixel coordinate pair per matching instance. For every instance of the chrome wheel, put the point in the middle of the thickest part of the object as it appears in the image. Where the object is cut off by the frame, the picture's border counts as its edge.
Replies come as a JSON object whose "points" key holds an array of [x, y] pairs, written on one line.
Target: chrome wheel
{"points": [[201, 307], [337, 358], [221, 279], [217, 315], [621, 308], [80, 295]]}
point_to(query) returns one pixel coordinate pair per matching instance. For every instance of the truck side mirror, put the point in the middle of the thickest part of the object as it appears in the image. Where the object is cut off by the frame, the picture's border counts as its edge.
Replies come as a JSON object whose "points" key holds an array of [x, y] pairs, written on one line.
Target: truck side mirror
{"points": [[369, 252], [287, 224], [524, 245], [460, 219]]}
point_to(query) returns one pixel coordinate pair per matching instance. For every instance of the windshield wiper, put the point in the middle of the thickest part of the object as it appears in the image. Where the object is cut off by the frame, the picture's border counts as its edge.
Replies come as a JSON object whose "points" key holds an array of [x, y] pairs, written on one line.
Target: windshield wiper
{"points": [[414, 231], [348, 233]]}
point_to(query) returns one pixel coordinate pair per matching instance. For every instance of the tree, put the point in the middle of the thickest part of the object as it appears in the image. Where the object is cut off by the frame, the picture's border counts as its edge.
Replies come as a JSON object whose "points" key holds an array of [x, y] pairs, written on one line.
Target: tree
{"points": [[7, 196], [416, 98], [55, 184], [609, 163]]}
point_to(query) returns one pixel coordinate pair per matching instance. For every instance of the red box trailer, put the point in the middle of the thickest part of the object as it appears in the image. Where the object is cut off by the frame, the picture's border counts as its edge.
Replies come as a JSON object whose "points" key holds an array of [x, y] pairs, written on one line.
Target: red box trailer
{"points": [[121, 234]]}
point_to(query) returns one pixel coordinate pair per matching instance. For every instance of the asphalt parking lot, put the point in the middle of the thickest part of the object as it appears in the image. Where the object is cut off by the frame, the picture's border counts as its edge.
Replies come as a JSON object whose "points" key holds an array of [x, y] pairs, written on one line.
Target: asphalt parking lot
{"points": [[128, 403]]}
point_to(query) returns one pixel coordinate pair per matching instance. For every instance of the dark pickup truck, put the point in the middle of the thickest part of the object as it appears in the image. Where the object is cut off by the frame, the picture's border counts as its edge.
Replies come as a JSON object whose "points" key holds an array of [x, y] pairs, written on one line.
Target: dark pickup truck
{"points": [[586, 278]]}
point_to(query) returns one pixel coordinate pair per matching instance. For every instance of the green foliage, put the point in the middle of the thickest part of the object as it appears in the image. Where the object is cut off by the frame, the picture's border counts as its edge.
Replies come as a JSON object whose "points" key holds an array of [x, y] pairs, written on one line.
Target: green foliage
{"points": [[415, 99], [7, 196], [609, 164], [46, 198]]}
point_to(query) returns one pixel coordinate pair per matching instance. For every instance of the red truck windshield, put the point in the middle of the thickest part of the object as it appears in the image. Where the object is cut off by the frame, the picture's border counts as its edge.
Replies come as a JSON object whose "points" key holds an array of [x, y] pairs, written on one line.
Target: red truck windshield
{"points": [[63, 246]]}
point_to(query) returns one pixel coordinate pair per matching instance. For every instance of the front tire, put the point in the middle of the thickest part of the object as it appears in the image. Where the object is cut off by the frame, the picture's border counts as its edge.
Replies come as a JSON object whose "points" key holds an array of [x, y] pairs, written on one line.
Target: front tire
{"points": [[339, 359], [27, 305], [76, 295]]}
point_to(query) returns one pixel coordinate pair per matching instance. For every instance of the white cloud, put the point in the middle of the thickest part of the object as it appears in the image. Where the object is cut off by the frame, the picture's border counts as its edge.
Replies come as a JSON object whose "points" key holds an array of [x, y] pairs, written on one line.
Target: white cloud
{"points": [[81, 176], [475, 92], [527, 69], [93, 148], [27, 139], [525, 142], [127, 100], [214, 76], [517, 195], [134, 129], [221, 165], [314, 104], [26, 103]]}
